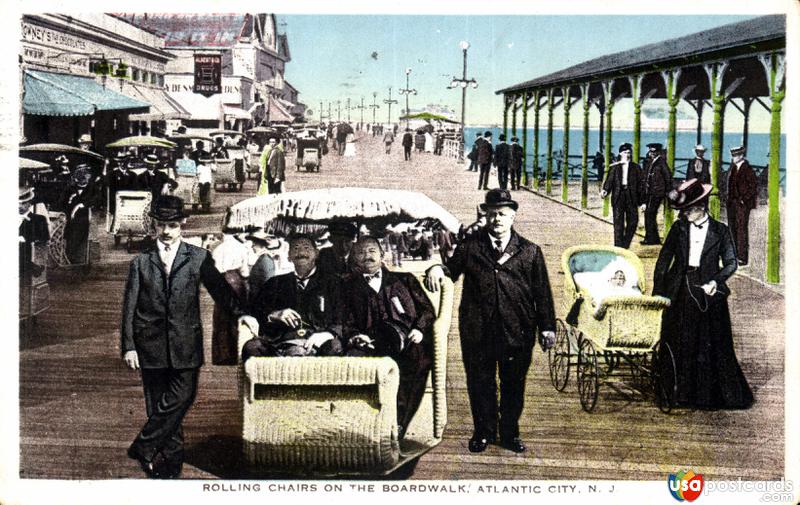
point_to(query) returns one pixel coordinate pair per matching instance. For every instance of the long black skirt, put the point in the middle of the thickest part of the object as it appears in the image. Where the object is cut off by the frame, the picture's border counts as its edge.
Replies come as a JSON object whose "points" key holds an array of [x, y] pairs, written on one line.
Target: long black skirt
{"points": [[698, 329]]}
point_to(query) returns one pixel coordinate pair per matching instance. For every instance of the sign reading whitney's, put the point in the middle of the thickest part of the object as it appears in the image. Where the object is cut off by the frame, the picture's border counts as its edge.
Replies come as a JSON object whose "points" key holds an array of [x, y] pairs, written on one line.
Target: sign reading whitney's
{"points": [[207, 74]]}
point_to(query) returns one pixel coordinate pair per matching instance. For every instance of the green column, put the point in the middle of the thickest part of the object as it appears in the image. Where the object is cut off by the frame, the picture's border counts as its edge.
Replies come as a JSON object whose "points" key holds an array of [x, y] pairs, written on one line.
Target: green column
{"points": [[672, 102], [718, 102], [514, 117], [637, 118], [565, 168], [548, 183], [609, 106], [505, 115], [536, 109], [585, 147], [775, 64], [524, 138]]}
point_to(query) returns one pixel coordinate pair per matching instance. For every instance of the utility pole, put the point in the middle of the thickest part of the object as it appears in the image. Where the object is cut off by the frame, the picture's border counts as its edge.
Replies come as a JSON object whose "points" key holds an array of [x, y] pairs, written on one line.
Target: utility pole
{"points": [[408, 91], [348, 109], [462, 83], [374, 106], [389, 102], [339, 110]]}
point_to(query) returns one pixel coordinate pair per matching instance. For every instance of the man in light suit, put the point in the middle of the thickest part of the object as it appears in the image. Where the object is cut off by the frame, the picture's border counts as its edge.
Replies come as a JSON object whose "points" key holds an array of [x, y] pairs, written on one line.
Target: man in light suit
{"points": [[162, 334], [273, 168]]}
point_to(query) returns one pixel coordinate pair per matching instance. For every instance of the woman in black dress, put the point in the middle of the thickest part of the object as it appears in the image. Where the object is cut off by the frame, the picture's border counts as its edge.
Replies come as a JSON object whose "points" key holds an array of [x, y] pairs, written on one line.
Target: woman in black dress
{"points": [[695, 262]]}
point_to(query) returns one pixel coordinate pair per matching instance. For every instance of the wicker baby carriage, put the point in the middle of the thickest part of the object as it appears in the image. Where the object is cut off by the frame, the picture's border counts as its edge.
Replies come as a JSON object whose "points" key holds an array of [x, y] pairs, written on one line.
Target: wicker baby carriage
{"points": [[613, 341]]}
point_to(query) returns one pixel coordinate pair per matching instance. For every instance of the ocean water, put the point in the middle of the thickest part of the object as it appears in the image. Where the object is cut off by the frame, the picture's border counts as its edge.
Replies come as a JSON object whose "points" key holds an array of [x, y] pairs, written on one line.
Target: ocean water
{"points": [[757, 150]]}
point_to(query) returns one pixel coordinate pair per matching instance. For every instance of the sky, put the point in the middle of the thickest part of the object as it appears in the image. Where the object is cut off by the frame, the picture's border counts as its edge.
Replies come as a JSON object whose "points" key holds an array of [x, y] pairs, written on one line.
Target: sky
{"points": [[335, 57]]}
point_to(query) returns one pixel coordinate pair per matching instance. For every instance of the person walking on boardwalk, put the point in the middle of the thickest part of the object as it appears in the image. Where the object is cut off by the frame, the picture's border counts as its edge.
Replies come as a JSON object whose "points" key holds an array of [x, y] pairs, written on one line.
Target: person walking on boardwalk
{"points": [[408, 142], [506, 302], [657, 183], [473, 154], [742, 198], [485, 155], [502, 160], [697, 259], [698, 168], [273, 168], [517, 157], [388, 139], [162, 335], [624, 184]]}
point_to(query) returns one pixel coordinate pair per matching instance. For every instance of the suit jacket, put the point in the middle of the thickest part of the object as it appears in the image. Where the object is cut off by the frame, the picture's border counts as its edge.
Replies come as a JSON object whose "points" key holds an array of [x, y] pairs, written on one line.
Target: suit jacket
{"points": [[742, 185], [319, 304], [153, 182], [400, 300], [331, 263], [161, 311], [657, 178], [263, 269], [502, 155], [512, 291], [673, 260], [485, 151], [516, 156], [704, 175], [274, 167], [408, 139], [613, 184]]}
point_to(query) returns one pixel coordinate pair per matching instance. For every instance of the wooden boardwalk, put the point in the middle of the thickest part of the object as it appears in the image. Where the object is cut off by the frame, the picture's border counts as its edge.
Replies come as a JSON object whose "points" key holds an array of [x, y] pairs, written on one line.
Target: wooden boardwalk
{"points": [[80, 407]]}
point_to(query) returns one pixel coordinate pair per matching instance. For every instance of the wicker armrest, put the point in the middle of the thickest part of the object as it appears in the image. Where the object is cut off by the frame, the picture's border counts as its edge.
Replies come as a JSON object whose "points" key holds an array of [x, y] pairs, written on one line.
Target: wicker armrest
{"points": [[654, 302]]}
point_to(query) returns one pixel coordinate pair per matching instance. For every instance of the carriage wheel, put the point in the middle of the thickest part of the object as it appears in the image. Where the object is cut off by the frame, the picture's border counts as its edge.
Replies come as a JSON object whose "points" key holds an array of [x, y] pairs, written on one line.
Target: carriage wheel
{"points": [[588, 375], [558, 357], [665, 377]]}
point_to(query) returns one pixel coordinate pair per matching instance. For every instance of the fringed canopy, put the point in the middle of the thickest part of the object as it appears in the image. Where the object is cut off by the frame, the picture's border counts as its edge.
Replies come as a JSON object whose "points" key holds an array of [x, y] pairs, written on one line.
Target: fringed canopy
{"points": [[375, 208]]}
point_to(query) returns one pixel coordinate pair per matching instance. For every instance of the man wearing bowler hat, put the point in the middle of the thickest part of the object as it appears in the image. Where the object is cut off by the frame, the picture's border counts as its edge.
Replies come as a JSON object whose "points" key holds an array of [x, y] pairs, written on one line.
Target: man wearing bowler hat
{"points": [[623, 183], [742, 198], [657, 182], [502, 160], [485, 155], [506, 303], [153, 179], [162, 334], [517, 157], [337, 259], [698, 167]]}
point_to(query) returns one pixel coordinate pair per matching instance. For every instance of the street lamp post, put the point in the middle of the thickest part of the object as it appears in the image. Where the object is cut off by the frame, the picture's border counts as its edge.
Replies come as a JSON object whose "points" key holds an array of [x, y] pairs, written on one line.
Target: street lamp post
{"points": [[389, 102], [348, 109], [320, 112], [339, 110], [361, 108], [374, 106], [462, 83], [407, 91]]}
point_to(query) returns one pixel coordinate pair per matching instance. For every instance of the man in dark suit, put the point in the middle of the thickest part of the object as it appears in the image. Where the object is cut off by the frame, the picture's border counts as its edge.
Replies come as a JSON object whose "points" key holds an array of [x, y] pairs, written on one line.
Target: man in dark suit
{"points": [[657, 182], [506, 301], [485, 155], [742, 198], [502, 160], [153, 179], [388, 314], [408, 142], [162, 334], [698, 168], [298, 312], [264, 267], [623, 183], [336, 259], [473, 154], [517, 156]]}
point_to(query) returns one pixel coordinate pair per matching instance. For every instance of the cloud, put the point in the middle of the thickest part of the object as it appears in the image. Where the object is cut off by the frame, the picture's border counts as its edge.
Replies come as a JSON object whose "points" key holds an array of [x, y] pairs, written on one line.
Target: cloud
{"points": [[511, 45], [349, 85]]}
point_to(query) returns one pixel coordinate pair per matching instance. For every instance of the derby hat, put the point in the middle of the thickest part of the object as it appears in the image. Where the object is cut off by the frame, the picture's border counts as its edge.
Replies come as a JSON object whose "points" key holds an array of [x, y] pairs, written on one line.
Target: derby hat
{"points": [[514, 139], [487, 134], [498, 198], [151, 159], [501, 137], [167, 208], [625, 147], [654, 146], [342, 228], [735, 151], [688, 193]]}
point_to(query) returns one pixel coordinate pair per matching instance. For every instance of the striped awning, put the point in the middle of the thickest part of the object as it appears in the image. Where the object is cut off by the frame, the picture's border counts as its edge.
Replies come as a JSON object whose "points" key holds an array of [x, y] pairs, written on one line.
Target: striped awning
{"points": [[162, 106], [51, 94]]}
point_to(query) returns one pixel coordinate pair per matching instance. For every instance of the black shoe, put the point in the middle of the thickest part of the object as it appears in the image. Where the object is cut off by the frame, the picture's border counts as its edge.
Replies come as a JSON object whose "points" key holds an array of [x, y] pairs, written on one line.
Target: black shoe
{"points": [[147, 466], [514, 445], [479, 444], [742, 263]]}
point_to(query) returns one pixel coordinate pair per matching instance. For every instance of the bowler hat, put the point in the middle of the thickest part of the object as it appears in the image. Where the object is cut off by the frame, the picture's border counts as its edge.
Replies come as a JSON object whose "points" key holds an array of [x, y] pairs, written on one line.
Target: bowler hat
{"points": [[688, 193], [81, 176], [499, 198], [501, 137], [625, 147], [735, 151], [514, 139], [342, 228], [389, 338], [151, 159], [655, 146], [167, 208], [487, 134]]}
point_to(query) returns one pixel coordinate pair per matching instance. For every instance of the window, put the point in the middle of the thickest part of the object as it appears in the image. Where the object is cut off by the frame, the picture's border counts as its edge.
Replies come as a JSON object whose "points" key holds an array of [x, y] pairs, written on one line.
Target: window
{"points": [[135, 74], [153, 79], [145, 76]]}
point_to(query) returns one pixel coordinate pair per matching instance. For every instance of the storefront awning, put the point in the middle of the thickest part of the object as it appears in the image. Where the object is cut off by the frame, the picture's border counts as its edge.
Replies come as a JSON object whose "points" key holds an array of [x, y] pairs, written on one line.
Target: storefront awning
{"points": [[277, 113], [236, 112], [50, 94], [162, 106]]}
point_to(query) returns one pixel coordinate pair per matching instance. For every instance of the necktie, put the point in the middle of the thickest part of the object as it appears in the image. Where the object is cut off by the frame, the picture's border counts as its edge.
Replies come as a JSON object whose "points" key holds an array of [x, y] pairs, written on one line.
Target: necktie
{"points": [[166, 247], [699, 226], [369, 277], [301, 283]]}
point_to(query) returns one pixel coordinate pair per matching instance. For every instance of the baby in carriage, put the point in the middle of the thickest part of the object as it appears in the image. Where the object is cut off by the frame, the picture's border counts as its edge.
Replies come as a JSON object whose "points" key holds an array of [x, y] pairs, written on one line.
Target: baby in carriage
{"points": [[618, 278]]}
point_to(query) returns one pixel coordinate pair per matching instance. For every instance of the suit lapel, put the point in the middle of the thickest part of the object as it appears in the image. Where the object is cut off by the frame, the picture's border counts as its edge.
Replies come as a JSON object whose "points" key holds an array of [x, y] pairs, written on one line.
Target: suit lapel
{"points": [[158, 268], [181, 258]]}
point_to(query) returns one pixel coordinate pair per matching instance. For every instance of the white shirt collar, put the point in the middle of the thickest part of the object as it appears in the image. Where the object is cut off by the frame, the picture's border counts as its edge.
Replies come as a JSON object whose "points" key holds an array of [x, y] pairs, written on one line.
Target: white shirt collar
{"points": [[374, 282], [310, 274]]}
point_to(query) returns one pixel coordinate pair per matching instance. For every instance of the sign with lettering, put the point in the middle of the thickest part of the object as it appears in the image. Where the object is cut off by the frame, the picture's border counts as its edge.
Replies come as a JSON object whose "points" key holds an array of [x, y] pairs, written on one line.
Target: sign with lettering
{"points": [[208, 74]]}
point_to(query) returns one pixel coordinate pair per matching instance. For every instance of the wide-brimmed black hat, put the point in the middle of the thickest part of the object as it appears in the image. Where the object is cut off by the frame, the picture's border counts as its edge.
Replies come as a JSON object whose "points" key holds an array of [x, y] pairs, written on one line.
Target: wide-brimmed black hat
{"points": [[688, 193], [655, 146], [498, 198], [625, 147], [167, 208], [343, 228]]}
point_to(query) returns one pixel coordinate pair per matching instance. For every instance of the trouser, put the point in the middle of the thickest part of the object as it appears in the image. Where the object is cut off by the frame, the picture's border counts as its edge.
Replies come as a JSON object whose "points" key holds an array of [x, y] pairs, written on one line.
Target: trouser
{"points": [[414, 363], [168, 395], [516, 177], [502, 176], [473, 166], [341, 144], [407, 153], [651, 235], [483, 177], [205, 192], [482, 363], [274, 187], [626, 219], [388, 147], [738, 223]]}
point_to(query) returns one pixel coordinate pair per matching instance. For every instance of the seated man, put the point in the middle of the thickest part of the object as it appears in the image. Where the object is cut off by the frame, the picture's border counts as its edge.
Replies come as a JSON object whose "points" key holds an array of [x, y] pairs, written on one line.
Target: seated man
{"points": [[299, 312], [388, 314], [336, 258]]}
